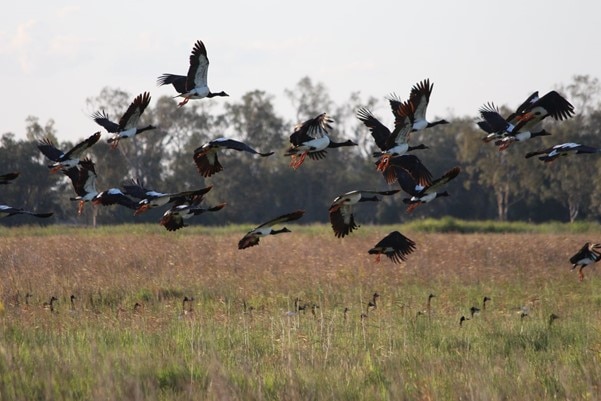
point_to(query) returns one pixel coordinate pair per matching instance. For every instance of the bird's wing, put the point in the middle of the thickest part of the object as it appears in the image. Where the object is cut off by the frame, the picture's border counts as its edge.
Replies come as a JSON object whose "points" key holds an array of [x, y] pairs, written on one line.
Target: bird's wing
{"points": [[136, 189], [199, 67], [134, 111], [78, 149], [379, 131], [178, 81], [6, 178], [402, 246], [342, 220], [283, 218], [410, 164], [314, 128], [181, 196], [49, 150], [207, 162], [403, 124], [239, 146], [556, 106], [101, 118], [420, 97], [448, 176]]}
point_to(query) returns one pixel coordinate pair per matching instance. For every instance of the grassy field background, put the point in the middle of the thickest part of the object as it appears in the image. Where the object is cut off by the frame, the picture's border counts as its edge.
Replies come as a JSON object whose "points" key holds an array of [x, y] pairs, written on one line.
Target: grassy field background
{"points": [[239, 342]]}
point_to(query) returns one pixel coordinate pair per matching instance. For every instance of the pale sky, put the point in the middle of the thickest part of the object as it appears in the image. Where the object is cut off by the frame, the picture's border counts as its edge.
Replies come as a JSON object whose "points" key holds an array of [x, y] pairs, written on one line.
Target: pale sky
{"points": [[55, 54]]}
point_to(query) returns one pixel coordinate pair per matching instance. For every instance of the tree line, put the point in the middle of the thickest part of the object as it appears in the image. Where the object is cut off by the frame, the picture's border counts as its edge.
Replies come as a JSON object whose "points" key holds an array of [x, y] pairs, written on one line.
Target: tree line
{"points": [[492, 184]]}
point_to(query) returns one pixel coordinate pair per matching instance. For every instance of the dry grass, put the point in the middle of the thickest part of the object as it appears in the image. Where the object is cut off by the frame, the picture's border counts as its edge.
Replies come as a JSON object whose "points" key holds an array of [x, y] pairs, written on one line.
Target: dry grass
{"points": [[105, 350]]}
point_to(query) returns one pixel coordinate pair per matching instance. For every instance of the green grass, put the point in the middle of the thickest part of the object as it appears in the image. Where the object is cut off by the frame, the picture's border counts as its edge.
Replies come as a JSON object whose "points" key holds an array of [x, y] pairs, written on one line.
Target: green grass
{"points": [[104, 350]]}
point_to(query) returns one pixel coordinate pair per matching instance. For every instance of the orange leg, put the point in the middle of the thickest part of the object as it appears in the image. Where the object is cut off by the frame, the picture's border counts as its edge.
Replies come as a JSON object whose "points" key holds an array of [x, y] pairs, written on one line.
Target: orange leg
{"points": [[80, 208], [115, 143], [141, 209], [297, 160], [412, 207], [183, 102], [384, 161], [378, 258], [580, 274]]}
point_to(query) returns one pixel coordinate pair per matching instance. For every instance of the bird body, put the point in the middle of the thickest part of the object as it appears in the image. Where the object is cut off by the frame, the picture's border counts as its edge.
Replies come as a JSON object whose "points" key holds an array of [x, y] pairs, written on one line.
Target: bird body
{"points": [[395, 246], [526, 122], [83, 179], [128, 123], [564, 149], [65, 160], [150, 199], [311, 138], [6, 211], [253, 236], [341, 209], [430, 192], [174, 218], [194, 85], [589, 254]]}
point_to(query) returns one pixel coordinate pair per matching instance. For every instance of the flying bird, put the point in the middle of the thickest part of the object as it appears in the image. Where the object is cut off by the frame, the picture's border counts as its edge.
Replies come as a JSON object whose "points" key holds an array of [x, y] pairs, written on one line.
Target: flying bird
{"points": [[395, 246], [150, 198], [587, 255], [184, 209], [194, 85], [8, 178], [429, 192], [205, 156], [420, 98], [64, 161], [83, 178], [253, 236], [341, 209], [311, 138], [526, 122], [391, 143], [564, 149], [114, 196], [128, 123], [6, 211]]}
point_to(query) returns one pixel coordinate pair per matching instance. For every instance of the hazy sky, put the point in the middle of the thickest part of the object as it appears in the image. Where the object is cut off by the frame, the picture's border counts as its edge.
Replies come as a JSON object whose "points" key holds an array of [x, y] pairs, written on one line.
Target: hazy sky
{"points": [[55, 54]]}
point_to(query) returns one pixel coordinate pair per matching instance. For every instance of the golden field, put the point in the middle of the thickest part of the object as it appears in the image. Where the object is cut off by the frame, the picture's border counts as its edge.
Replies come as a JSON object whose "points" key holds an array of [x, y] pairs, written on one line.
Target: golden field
{"points": [[239, 342]]}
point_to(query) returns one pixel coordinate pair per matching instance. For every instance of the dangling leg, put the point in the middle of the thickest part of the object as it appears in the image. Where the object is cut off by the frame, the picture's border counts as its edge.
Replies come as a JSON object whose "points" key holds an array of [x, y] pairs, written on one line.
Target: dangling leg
{"points": [[383, 164]]}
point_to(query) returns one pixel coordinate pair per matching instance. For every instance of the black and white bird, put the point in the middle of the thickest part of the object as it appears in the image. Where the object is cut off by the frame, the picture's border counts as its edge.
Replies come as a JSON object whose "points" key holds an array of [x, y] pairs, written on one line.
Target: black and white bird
{"points": [[428, 193], [128, 123], [8, 177], [253, 236], [311, 138], [391, 143], [65, 160], [194, 85], [205, 156], [184, 209], [150, 198], [114, 196], [587, 255], [564, 149], [341, 209], [395, 246], [6, 211], [420, 98], [526, 122], [83, 178]]}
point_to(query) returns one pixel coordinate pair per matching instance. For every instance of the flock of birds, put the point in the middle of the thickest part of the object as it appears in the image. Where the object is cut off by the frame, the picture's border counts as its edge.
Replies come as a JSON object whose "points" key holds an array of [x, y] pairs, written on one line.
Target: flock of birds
{"points": [[310, 138]]}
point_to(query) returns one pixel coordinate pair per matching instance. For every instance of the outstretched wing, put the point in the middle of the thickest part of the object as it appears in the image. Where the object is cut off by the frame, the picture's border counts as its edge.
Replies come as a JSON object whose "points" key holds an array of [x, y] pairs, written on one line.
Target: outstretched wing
{"points": [[283, 218], [102, 119], [379, 131], [448, 176], [199, 67], [311, 129], [134, 111], [178, 81], [81, 147]]}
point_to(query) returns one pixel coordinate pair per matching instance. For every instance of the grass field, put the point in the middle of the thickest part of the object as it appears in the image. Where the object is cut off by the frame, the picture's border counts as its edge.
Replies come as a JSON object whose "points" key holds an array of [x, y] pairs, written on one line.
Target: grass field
{"points": [[239, 343]]}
